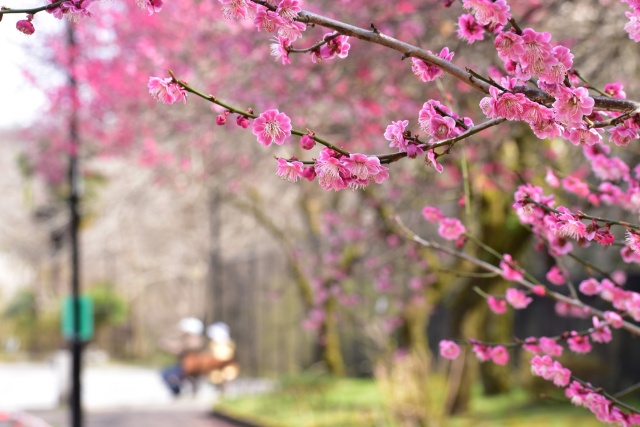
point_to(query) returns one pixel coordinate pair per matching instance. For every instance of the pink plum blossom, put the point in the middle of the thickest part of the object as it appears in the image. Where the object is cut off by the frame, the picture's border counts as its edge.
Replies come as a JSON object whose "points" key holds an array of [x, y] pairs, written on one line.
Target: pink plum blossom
{"points": [[550, 347], [497, 305], [601, 332], [336, 46], [291, 171], [469, 29], [450, 228], [234, 9], [432, 214], [279, 50], [488, 12], [428, 72], [395, 134], [517, 298], [166, 90], [330, 171], [615, 90], [272, 126], [579, 343], [432, 157], [499, 355], [449, 349], [590, 286], [364, 169], [571, 104], [555, 276], [482, 352], [509, 271]]}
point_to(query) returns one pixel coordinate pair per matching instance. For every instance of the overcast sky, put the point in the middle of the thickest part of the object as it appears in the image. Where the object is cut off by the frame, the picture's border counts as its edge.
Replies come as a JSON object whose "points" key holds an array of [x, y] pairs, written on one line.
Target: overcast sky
{"points": [[19, 100]]}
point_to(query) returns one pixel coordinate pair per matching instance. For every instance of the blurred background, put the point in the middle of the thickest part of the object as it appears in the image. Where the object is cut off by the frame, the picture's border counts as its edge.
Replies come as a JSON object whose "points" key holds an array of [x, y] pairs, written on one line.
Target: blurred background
{"points": [[335, 316]]}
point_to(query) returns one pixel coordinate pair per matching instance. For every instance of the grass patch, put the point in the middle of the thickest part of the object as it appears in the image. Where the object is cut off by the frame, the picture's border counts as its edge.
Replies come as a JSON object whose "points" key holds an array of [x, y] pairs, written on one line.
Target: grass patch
{"points": [[321, 401]]}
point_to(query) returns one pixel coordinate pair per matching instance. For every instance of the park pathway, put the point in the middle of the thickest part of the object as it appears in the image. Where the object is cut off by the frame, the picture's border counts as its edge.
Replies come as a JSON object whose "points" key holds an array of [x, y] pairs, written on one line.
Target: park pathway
{"points": [[113, 395]]}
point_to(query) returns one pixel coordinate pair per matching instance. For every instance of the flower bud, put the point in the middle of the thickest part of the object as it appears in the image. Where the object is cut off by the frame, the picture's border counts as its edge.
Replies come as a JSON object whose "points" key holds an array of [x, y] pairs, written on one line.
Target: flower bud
{"points": [[307, 142], [242, 121], [25, 26], [221, 119]]}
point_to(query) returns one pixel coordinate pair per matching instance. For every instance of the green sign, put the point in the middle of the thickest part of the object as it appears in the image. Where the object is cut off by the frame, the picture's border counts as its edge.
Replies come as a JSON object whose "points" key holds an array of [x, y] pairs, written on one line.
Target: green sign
{"points": [[85, 332]]}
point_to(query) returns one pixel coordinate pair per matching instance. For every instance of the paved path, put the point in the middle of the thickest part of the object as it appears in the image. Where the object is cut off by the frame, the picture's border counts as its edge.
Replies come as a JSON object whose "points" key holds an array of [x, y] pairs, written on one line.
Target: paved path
{"points": [[112, 395]]}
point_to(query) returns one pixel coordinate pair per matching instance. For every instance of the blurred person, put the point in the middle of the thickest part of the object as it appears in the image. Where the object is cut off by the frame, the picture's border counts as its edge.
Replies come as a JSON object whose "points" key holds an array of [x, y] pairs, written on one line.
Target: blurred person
{"points": [[223, 351], [187, 342]]}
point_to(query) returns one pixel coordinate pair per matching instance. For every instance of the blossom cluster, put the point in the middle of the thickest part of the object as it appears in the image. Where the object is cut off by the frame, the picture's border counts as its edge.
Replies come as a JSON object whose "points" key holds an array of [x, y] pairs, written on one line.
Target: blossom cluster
{"points": [[633, 26], [529, 54], [582, 394]]}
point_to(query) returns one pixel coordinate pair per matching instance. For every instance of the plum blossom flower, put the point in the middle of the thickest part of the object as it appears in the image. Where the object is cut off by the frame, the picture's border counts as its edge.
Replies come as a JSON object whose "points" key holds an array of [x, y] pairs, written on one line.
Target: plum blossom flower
{"points": [[538, 53], [550, 347], [152, 6], [234, 9], [395, 134], [590, 286], [497, 305], [428, 72], [579, 343], [542, 366], [622, 135], [633, 26], [499, 355], [267, 20], [601, 332], [482, 352], [364, 169], [568, 225], [633, 241], [432, 157], [615, 90], [449, 349], [488, 12], [166, 90], [451, 228], [556, 73], [469, 29], [509, 271], [571, 104], [291, 30], [555, 276], [517, 298], [288, 9], [330, 171], [279, 49], [291, 171], [613, 318], [509, 45], [336, 46], [432, 214], [80, 8], [272, 126]]}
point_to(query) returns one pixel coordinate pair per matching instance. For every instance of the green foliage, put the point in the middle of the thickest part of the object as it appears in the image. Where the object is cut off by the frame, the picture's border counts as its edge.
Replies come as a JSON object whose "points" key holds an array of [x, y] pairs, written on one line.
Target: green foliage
{"points": [[324, 401], [22, 307], [110, 308], [37, 329]]}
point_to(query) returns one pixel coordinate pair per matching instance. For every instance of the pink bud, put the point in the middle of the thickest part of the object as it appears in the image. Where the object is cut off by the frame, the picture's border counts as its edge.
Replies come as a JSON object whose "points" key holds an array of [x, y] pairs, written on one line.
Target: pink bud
{"points": [[307, 142], [25, 27], [221, 119], [309, 173], [242, 121]]}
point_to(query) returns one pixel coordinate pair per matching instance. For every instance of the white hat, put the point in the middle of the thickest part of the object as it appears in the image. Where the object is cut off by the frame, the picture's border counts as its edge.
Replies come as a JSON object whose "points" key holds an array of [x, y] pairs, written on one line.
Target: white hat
{"points": [[219, 332], [191, 325]]}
